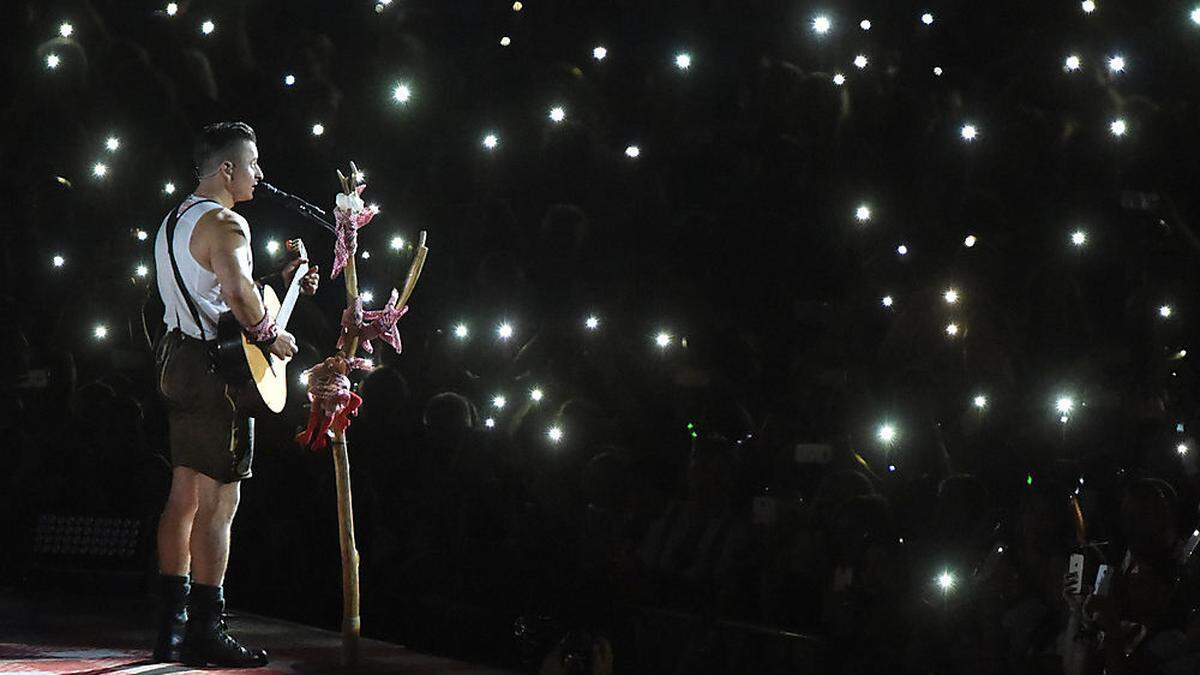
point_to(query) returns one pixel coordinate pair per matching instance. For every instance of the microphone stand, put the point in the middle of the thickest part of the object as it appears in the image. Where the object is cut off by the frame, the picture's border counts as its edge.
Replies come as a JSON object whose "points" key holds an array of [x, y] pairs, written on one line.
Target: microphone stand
{"points": [[313, 213]]}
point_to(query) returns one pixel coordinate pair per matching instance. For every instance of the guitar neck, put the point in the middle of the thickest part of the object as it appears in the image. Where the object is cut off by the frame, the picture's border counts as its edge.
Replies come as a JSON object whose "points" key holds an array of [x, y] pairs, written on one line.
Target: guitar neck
{"points": [[289, 300]]}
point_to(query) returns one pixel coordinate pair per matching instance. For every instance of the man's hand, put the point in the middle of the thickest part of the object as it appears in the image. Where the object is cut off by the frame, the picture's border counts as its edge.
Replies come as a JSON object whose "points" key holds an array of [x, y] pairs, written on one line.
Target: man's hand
{"points": [[310, 281], [284, 345]]}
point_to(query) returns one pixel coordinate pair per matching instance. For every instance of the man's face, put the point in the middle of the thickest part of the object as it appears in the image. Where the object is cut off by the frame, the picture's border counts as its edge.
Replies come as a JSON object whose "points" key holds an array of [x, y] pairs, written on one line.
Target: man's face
{"points": [[242, 172]]}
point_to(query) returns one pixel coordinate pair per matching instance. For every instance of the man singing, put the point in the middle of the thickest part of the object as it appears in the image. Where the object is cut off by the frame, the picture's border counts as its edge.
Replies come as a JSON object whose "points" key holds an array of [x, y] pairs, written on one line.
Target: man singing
{"points": [[204, 265]]}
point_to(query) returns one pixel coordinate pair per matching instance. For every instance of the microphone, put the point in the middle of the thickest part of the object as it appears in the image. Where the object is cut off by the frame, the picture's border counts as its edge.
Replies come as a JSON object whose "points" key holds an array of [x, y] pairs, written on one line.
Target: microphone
{"points": [[298, 205]]}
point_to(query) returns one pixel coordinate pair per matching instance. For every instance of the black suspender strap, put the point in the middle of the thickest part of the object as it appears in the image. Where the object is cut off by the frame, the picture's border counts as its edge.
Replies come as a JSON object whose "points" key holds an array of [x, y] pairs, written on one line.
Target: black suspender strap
{"points": [[173, 221]]}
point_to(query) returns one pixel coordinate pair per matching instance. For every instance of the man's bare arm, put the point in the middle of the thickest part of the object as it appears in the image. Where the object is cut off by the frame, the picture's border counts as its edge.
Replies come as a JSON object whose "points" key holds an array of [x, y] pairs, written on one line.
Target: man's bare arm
{"points": [[227, 250]]}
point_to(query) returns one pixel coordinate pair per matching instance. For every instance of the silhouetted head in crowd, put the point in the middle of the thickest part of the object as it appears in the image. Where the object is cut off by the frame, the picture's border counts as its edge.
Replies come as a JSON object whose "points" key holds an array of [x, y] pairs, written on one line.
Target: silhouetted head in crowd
{"points": [[448, 419], [836, 488], [711, 474], [385, 394], [1050, 522], [605, 478], [1149, 519]]}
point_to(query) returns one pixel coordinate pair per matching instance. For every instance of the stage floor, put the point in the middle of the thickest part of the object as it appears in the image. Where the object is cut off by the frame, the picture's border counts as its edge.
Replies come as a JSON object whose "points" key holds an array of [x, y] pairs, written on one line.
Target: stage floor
{"points": [[99, 637]]}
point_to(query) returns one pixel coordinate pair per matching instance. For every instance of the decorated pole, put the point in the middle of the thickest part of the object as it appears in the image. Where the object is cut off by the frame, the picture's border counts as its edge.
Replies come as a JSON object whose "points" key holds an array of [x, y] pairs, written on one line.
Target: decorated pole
{"points": [[329, 386]]}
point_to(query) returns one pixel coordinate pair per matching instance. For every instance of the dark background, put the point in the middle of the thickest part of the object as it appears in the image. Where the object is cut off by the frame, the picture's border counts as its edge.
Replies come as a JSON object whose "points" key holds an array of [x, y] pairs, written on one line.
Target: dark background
{"points": [[733, 230]]}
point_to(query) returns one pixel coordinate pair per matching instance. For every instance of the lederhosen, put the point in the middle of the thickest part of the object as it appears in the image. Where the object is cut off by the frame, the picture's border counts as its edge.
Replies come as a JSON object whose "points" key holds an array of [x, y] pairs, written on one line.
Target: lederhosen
{"points": [[209, 431]]}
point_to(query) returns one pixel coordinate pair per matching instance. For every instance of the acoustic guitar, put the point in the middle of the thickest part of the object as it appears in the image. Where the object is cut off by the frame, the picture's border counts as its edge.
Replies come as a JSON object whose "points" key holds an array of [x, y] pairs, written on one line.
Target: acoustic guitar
{"points": [[240, 361]]}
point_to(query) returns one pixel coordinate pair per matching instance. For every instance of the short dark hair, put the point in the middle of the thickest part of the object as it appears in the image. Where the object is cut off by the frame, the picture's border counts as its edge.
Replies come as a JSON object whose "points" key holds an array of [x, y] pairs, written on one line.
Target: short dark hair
{"points": [[216, 139]]}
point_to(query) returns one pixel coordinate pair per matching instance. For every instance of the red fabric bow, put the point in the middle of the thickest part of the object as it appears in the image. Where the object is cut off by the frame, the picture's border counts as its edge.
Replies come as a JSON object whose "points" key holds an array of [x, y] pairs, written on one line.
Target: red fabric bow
{"points": [[371, 324], [332, 401]]}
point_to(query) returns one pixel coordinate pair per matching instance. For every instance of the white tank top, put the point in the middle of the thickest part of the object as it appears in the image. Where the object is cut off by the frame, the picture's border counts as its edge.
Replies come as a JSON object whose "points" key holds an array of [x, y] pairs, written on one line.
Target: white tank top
{"points": [[201, 284]]}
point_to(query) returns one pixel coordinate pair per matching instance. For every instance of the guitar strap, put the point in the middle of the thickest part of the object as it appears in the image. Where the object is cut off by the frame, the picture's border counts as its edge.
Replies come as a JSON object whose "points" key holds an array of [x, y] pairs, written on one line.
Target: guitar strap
{"points": [[173, 221]]}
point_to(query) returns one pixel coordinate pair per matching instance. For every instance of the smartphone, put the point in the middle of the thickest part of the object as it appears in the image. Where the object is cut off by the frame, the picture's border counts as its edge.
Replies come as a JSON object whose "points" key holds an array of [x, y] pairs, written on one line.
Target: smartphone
{"points": [[1103, 580], [1075, 566]]}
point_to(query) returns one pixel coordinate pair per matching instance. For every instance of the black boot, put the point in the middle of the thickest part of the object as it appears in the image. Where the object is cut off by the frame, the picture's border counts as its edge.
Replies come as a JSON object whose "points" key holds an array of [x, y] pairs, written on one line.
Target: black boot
{"points": [[172, 617], [207, 641]]}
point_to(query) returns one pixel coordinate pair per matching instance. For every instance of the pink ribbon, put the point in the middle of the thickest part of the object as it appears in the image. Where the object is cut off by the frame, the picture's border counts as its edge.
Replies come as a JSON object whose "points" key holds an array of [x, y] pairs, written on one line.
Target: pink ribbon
{"points": [[346, 240], [371, 324]]}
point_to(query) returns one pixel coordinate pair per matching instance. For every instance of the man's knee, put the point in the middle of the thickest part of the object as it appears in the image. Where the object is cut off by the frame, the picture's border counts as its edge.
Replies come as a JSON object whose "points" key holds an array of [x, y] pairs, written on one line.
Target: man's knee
{"points": [[219, 503]]}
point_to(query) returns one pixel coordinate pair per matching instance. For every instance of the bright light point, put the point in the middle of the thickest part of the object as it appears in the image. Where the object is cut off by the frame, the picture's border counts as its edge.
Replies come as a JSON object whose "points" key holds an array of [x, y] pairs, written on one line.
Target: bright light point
{"points": [[490, 423], [289, 80], [1118, 128], [633, 152], [172, 8], [1079, 237], [208, 27], [969, 132], [839, 79], [821, 25], [366, 255], [169, 188], [945, 581], [1196, 16], [887, 301], [367, 296], [113, 143], [599, 53], [397, 243], [950, 296], [980, 401], [663, 339], [505, 41], [861, 61], [99, 170], [505, 331], [970, 241], [536, 395], [1116, 64], [865, 24], [1165, 311], [498, 402], [1088, 6], [318, 129], [555, 434], [101, 332], [886, 433], [557, 114], [1064, 405], [892, 467], [1182, 448], [1073, 62], [304, 379], [52, 61], [863, 213], [517, 6], [952, 329], [58, 261], [401, 93], [141, 235], [927, 19], [937, 70], [272, 247], [491, 141], [66, 29], [683, 61], [902, 249], [461, 331], [592, 323]]}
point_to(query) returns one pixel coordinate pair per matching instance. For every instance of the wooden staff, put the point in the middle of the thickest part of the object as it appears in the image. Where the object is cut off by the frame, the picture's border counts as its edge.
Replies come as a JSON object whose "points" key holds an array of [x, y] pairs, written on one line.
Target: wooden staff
{"points": [[351, 617]]}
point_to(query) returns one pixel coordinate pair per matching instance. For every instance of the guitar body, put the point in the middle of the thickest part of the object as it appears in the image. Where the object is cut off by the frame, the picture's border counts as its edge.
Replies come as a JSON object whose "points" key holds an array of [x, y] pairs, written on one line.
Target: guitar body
{"points": [[239, 361]]}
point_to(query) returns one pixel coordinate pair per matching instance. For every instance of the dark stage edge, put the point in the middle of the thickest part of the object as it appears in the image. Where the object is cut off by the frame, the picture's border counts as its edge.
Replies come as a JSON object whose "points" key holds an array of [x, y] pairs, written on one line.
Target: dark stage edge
{"points": [[99, 636]]}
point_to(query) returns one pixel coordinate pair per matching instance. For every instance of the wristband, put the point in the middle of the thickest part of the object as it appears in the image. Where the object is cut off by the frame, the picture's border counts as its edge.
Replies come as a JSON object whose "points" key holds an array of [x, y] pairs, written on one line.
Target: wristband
{"points": [[263, 332]]}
